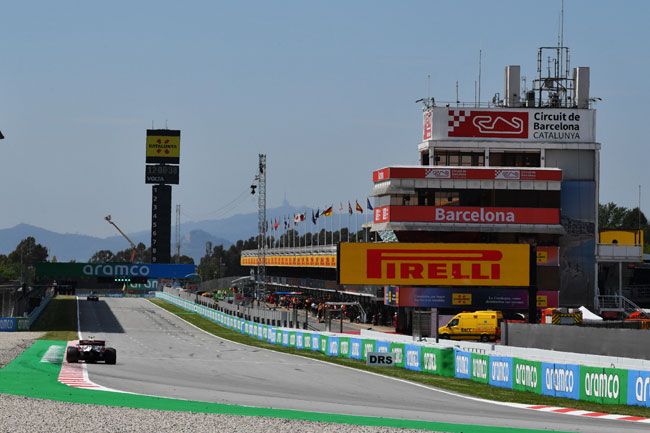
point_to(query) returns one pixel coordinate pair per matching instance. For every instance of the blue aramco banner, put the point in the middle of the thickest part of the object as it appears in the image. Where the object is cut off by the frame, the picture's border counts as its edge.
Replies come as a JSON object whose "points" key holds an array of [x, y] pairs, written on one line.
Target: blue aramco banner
{"points": [[151, 270]]}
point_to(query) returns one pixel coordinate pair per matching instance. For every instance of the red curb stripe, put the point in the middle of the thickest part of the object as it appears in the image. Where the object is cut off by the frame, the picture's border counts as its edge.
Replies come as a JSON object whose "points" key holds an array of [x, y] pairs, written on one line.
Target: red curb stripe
{"points": [[633, 418], [538, 407], [564, 410], [595, 414]]}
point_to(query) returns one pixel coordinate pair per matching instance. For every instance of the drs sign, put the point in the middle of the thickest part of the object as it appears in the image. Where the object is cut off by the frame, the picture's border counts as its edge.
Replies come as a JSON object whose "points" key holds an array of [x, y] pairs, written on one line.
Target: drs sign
{"points": [[380, 359]]}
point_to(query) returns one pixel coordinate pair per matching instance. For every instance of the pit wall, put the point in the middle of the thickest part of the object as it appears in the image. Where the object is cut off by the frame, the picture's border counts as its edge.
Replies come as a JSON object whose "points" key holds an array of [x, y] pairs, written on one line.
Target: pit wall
{"points": [[14, 324], [559, 379]]}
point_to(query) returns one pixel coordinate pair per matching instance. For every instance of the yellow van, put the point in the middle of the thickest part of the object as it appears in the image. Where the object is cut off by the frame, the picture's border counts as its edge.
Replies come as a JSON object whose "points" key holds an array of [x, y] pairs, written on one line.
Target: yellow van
{"points": [[479, 325]]}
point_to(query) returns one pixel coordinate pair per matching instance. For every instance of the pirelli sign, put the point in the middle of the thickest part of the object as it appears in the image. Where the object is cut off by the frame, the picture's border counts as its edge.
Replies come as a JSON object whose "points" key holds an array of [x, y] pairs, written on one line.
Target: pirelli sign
{"points": [[425, 264]]}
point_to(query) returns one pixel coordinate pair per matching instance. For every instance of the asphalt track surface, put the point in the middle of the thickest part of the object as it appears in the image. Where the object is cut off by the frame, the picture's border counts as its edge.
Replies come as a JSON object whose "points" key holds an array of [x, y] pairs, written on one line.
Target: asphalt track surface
{"points": [[160, 354]]}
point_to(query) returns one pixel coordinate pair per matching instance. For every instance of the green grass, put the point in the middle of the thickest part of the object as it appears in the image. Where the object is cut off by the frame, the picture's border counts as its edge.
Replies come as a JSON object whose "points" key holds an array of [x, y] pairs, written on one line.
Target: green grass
{"points": [[460, 386], [59, 319]]}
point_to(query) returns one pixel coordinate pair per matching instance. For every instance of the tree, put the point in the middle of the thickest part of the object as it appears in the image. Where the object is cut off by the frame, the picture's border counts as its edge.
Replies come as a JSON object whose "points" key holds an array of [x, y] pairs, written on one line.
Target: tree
{"points": [[613, 217], [28, 252], [103, 256]]}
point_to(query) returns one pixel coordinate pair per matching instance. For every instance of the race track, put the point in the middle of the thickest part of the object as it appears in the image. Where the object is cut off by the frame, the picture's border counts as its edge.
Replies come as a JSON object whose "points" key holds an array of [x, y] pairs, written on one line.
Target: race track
{"points": [[160, 354]]}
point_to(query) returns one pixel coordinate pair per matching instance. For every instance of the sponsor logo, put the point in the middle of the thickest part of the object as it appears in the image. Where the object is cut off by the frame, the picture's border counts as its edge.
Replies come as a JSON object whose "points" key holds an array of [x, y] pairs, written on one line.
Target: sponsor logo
{"points": [[500, 371], [292, 340], [479, 368], [437, 173], [399, 355], [602, 385], [412, 359], [368, 347], [6, 324], [307, 343], [111, 270], [526, 375], [488, 124], [356, 349], [507, 174], [462, 365], [559, 379], [428, 121], [641, 388], [344, 347], [434, 264], [429, 361], [315, 341]]}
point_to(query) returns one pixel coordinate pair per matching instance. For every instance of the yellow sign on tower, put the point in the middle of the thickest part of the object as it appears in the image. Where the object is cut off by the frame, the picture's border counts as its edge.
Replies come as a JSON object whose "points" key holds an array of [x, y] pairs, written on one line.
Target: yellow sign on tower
{"points": [[163, 146]]}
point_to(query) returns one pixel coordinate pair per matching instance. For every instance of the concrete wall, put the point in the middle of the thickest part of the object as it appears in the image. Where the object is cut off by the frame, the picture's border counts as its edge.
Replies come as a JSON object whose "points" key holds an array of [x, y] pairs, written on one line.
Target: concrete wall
{"points": [[628, 343]]}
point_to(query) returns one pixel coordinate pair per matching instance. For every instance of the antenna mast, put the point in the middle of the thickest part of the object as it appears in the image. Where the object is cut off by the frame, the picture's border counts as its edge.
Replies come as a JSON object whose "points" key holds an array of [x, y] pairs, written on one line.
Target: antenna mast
{"points": [[261, 226], [178, 233]]}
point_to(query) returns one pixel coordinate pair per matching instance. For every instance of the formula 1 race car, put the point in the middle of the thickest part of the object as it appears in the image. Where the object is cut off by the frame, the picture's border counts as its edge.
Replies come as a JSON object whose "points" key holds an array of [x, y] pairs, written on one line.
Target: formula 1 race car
{"points": [[91, 351], [92, 297]]}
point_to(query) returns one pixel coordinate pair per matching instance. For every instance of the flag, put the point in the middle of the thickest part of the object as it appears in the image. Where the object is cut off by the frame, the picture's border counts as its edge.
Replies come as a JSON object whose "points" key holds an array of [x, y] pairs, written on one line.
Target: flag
{"points": [[359, 208], [349, 207], [314, 217], [369, 206], [341, 207], [296, 219], [328, 211], [276, 224]]}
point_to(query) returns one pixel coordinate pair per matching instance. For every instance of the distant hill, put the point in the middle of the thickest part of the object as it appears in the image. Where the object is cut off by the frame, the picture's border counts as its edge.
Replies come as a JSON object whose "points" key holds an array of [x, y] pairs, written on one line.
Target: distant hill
{"points": [[194, 236]]}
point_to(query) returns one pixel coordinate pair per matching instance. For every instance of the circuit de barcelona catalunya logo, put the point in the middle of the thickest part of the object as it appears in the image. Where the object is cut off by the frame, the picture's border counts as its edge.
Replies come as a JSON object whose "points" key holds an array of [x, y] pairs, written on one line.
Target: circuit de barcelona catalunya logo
{"points": [[488, 124], [430, 264]]}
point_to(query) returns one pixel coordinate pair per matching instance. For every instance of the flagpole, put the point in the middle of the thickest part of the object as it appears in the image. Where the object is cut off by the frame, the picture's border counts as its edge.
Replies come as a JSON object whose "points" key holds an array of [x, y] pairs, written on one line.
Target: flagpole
{"points": [[356, 225]]}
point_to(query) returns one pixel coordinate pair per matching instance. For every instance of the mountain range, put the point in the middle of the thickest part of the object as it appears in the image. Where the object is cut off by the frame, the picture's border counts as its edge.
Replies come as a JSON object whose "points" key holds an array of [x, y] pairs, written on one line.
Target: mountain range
{"points": [[194, 236]]}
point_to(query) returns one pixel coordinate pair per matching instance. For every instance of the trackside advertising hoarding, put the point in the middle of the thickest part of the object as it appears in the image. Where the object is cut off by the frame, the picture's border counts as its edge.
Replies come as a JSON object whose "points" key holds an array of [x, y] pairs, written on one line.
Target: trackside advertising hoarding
{"points": [[151, 270], [426, 264], [466, 297], [586, 383], [466, 215]]}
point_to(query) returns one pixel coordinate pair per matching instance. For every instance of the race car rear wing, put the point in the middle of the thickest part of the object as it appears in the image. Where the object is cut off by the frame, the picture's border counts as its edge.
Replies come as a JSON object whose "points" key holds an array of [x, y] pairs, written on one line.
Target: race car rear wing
{"points": [[92, 342]]}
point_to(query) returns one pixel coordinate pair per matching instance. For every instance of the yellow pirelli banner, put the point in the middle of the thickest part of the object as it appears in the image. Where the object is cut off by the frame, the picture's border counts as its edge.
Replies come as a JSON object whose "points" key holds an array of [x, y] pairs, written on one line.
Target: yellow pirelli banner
{"points": [[425, 264], [309, 261]]}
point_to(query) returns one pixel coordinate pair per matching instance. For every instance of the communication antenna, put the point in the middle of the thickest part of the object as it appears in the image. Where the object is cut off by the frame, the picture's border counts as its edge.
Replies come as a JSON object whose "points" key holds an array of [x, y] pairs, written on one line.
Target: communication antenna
{"points": [[428, 86], [178, 233], [480, 56], [457, 101]]}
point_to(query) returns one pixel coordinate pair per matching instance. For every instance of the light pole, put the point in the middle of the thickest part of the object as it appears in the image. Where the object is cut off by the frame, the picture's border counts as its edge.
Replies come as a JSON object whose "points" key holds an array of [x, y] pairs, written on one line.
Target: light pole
{"points": [[196, 297]]}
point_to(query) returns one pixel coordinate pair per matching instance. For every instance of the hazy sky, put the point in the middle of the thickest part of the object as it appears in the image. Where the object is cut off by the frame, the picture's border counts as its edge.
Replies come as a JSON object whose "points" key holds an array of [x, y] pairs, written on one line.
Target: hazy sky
{"points": [[325, 89]]}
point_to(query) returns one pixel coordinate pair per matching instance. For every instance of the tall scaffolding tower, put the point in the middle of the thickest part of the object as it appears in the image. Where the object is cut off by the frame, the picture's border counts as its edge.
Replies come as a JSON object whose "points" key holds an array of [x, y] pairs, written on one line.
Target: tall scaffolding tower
{"points": [[261, 227]]}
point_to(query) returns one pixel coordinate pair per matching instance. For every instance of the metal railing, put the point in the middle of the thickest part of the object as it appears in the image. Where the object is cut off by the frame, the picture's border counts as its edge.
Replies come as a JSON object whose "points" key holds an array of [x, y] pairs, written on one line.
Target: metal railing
{"points": [[294, 251], [620, 303]]}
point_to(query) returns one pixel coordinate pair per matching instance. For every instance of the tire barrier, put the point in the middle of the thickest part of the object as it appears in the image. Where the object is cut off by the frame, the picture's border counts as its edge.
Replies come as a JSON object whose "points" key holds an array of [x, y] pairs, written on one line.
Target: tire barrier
{"points": [[577, 382]]}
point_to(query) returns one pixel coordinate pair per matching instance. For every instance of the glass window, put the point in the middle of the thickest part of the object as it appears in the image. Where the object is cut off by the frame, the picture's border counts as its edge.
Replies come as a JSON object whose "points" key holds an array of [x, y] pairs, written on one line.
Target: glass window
{"points": [[447, 198]]}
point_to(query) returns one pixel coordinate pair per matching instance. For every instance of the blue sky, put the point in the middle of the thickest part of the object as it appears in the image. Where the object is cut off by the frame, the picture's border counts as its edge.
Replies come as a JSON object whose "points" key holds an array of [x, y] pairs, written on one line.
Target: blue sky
{"points": [[325, 89]]}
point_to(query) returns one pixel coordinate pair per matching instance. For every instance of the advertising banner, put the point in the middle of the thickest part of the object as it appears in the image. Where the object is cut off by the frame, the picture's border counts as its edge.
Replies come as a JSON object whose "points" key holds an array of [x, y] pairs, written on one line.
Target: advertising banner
{"points": [[603, 385], [279, 334], [561, 380], [312, 261], [448, 297], [466, 215], [264, 335], [323, 343], [306, 341], [271, 334], [527, 375], [548, 256], [480, 371], [344, 347], [463, 364], [355, 348], [151, 270], [382, 346], [427, 264], [7, 324], [501, 371], [292, 339], [333, 346], [412, 355], [315, 342], [467, 173], [368, 346], [527, 125], [398, 350], [299, 341], [163, 146], [638, 388]]}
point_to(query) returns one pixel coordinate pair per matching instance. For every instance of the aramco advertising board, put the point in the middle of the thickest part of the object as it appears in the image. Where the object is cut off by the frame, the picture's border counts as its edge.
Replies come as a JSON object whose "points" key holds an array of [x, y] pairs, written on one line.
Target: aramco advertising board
{"points": [[428, 264]]}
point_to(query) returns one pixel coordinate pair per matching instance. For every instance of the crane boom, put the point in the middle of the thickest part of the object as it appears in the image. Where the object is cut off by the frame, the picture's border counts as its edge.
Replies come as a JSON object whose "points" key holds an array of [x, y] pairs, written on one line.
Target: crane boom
{"points": [[108, 218]]}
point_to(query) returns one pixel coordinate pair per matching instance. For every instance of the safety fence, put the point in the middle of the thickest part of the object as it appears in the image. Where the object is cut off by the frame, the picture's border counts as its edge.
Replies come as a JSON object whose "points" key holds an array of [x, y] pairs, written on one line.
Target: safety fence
{"points": [[578, 382], [13, 324]]}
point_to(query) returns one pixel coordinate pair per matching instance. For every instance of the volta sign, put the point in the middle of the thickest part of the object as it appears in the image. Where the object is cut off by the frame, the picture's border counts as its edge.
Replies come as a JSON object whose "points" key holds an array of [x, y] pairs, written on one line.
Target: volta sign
{"points": [[426, 264], [150, 270]]}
